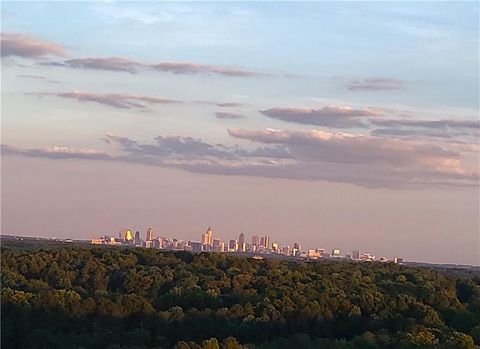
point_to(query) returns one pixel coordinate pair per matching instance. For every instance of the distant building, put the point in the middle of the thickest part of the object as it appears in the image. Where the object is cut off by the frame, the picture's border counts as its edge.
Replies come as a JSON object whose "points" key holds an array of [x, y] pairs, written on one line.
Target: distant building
{"points": [[356, 254], [398, 260], [216, 245], [196, 246], [275, 247], [149, 234], [255, 241], [127, 236], [207, 238], [137, 239], [336, 253], [296, 246], [241, 241], [233, 246]]}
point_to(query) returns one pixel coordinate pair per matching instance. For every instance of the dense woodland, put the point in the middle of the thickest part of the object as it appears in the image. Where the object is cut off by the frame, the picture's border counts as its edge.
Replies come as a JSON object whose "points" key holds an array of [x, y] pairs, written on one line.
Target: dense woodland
{"points": [[141, 298]]}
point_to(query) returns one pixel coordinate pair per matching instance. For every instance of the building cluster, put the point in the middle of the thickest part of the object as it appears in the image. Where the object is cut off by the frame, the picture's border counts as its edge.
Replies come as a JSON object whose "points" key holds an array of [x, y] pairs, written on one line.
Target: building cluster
{"points": [[258, 245]]}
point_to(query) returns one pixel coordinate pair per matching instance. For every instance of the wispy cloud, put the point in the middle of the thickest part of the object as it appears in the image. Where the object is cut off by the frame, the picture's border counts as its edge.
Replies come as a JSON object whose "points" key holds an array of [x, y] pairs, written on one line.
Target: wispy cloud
{"points": [[116, 100], [129, 65], [447, 128], [39, 77], [375, 84], [27, 46], [105, 63], [329, 116], [227, 115]]}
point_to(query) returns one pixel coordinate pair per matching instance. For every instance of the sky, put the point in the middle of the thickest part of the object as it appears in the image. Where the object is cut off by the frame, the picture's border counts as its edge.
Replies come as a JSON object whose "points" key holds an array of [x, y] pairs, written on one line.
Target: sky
{"points": [[350, 125]]}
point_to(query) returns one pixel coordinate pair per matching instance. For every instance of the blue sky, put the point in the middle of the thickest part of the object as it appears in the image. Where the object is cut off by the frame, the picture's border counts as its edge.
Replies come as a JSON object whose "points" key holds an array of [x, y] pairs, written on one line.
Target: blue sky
{"points": [[376, 97]]}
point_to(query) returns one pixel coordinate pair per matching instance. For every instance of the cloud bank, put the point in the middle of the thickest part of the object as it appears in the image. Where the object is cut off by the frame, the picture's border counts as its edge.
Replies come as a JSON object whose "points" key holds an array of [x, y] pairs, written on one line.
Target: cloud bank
{"points": [[23, 45], [368, 161], [329, 116]]}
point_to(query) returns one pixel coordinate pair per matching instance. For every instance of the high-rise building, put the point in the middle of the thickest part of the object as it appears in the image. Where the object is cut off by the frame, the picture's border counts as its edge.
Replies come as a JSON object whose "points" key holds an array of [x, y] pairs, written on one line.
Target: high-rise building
{"points": [[356, 254], [232, 246], [216, 245], [262, 243], [296, 246], [275, 247], [266, 241], [241, 239], [137, 239], [207, 238], [127, 236], [255, 241], [149, 234]]}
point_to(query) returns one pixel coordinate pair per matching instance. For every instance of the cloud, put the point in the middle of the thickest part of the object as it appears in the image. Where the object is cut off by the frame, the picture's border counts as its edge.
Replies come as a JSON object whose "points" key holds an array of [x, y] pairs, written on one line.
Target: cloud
{"points": [[193, 68], [116, 100], [301, 155], [447, 128], [57, 153], [129, 65], [106, 63], [329, 116], [375, 84], [23, 45], [227, 115], [38, 77]]}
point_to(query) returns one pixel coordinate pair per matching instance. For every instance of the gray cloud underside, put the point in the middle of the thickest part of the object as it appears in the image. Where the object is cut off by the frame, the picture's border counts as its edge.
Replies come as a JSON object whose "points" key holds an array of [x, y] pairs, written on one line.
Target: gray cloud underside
{"points": [[308, 155], [123, 100], [27, 46], [375, 84], [116, 100], [331, 116], [227, 115], [129, 65]]}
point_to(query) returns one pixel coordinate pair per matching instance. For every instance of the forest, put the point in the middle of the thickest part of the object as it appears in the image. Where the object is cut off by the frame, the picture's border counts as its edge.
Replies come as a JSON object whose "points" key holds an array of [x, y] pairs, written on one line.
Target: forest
{"points": [[126, 298]]}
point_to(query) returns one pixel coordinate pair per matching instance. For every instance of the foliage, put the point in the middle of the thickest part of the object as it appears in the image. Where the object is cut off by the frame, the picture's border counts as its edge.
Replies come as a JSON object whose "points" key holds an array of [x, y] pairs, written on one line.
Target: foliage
{"points": [[142, 298]]}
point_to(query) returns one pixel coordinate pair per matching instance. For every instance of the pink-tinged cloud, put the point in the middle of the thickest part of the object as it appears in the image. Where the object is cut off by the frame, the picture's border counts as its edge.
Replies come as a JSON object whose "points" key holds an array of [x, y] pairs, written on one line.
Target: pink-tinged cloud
{"points": [[194, 68], [116, 100], [23, 45], [329, 116], [129, 65], [105, 63], [301, 155], [57, 152], [375, 84]]}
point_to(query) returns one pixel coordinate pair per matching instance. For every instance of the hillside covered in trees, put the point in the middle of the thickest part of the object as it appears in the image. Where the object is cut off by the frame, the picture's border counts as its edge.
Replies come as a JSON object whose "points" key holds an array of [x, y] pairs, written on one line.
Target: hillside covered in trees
{"points": [[142, 298]]}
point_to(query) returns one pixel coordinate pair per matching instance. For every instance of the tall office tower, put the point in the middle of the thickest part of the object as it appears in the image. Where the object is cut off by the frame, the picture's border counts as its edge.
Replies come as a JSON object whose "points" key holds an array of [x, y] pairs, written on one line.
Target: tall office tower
{"points": [[128, 235], [296, 246], [241, 240], [262, 242], [356, 254], [137, 238], [216, 245], [232, 246], [149, 234], [275, 247], [255, 241], [207, 237], [266, 242]]}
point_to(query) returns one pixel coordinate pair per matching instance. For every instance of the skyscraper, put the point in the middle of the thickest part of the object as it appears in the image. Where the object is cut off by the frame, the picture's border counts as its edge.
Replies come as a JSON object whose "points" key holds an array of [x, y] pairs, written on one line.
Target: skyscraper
{"points": [[149, 234], [207, 238], [241, 242], [128, 235], [255, 240], [137, 238]]}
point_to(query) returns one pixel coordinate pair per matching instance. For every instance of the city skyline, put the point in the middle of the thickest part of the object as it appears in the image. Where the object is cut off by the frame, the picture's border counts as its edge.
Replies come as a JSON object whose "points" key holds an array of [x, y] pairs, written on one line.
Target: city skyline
{"points": [[259, 246], [257, 116]]}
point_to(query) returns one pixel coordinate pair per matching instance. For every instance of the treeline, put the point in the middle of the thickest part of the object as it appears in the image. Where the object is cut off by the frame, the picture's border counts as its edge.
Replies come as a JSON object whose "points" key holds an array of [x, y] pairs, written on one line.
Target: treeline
{"points": [[143, 298]]}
